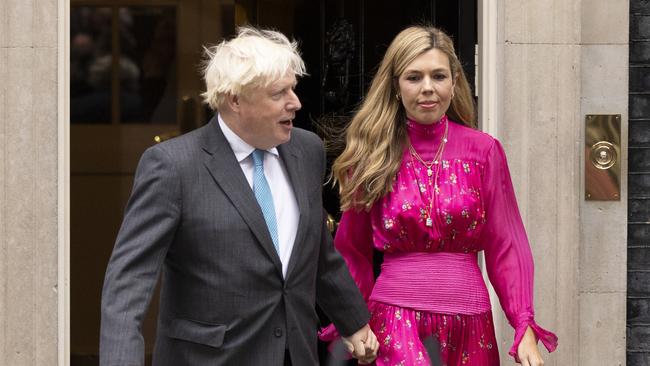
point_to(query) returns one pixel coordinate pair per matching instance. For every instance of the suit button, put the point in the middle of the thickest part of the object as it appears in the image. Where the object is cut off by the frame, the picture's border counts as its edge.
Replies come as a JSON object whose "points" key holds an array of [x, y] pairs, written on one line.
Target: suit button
{"points": [[277, 332]]}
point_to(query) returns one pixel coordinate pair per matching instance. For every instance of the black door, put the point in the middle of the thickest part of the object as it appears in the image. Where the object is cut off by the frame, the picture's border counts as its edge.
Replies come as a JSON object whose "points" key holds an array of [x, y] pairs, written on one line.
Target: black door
{"points": [[342, 43]]}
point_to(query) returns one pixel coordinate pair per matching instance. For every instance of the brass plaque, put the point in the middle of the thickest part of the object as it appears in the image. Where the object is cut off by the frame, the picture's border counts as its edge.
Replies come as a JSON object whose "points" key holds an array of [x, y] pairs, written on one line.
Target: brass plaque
{"points": [[603, 157]]}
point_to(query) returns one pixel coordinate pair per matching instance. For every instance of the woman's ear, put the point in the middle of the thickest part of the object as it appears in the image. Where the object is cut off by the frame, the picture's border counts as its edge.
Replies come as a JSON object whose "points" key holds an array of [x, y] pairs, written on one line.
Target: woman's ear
{"points": [[395, 81], [453, 86]]}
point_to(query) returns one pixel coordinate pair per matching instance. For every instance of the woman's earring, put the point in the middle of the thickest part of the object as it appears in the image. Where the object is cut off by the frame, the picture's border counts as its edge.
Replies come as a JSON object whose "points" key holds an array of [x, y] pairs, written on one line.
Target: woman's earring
{"points": [[397, 96]]}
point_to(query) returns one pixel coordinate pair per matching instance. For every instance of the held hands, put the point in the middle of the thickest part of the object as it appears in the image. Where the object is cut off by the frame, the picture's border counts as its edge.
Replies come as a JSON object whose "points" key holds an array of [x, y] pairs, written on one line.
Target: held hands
{"points": [[363, 345], [528, 352]]}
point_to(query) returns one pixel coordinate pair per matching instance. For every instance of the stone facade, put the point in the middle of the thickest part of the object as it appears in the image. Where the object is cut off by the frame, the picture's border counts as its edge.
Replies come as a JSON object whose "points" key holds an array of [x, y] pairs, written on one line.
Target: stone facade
{"points": [[29, 168], [560, 61]]}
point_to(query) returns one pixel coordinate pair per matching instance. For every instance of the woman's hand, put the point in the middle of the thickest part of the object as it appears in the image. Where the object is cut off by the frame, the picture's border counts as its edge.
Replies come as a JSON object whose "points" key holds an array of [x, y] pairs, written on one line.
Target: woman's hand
{"points": [[528, 352]]}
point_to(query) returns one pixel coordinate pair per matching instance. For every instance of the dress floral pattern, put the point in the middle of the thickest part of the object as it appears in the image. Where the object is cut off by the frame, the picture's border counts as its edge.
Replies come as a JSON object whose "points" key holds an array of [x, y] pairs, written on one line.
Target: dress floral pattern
{"points": [[430, 284]]}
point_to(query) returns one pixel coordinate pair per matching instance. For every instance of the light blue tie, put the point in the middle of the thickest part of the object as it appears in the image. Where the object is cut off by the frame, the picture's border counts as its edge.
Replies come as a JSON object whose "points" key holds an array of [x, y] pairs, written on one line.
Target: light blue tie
{"points": [[263, 194]]}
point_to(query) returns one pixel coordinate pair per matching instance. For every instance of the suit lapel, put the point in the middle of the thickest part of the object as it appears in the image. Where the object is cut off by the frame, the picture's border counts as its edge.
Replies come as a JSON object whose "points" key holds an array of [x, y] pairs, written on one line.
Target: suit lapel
{"points": [[294, 166], [226, 172]]}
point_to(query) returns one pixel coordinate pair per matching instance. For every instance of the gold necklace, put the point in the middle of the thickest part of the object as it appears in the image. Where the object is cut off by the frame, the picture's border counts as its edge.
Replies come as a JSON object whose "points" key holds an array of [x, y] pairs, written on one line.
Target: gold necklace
{"points": [[429, 166]]}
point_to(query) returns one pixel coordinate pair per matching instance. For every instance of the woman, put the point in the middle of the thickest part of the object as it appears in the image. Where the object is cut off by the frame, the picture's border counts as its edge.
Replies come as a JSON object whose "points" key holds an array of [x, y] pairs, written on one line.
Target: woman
{"points": [[420, 184]]}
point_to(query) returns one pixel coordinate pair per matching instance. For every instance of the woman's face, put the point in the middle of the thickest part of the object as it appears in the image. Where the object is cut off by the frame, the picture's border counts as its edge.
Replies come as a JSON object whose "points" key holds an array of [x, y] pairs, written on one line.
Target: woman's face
{"points": [[426, 87]]}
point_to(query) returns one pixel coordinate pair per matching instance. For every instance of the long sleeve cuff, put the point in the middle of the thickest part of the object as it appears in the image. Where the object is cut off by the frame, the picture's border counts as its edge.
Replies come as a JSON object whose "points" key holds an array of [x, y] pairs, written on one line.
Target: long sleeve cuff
{"points": [[328, 333], [335, 347], [527, 320]]}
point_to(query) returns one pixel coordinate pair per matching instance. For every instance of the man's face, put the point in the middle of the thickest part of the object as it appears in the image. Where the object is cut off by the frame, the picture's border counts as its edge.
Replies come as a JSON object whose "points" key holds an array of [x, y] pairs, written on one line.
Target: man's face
{"points": [[266, 113]]}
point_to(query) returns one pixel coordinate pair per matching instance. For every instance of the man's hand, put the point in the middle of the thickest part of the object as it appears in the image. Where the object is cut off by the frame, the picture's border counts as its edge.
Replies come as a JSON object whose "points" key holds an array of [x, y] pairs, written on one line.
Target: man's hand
{"points": [[363, 345]]}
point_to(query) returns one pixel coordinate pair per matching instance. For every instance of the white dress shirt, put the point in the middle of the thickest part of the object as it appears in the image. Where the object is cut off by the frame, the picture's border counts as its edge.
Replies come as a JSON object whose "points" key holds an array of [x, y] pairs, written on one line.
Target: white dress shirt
{"points": [[284, 199]]}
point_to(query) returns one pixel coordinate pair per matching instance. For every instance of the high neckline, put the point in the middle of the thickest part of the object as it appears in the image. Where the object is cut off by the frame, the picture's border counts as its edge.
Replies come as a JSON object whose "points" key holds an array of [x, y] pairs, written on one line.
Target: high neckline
{"points": [[426, 138], [424, 130]]}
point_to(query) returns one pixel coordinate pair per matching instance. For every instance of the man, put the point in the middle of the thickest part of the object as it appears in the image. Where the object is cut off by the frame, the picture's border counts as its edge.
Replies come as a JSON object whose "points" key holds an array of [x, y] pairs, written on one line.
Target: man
{"points": [[232, 213]]}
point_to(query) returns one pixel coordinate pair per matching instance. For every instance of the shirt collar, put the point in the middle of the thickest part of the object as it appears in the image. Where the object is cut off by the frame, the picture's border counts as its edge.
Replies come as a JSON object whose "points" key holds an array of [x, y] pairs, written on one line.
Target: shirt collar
{"points": [[240, 147]]}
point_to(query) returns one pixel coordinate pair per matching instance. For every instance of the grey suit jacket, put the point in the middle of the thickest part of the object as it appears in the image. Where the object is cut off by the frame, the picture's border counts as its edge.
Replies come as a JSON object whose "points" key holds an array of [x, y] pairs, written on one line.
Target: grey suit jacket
{"points": [[224, 300]]}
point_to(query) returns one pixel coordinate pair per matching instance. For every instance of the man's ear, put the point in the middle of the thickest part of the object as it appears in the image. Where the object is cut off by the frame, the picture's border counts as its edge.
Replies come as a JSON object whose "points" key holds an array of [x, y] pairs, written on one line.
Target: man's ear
{"points": [[233, 102]]}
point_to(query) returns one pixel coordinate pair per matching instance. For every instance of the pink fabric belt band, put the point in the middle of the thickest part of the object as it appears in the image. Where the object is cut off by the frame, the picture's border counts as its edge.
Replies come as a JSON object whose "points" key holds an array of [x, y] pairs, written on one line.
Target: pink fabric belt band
{"points": [[446, 283]]}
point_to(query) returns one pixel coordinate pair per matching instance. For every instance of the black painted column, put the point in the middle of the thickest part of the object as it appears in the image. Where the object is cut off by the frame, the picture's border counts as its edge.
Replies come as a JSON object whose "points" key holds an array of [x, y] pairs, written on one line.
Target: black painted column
{"points": [[638, 278]]}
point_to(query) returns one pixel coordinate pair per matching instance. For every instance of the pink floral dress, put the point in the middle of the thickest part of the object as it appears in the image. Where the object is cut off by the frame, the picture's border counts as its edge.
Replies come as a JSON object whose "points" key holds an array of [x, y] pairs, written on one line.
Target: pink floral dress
{"points": [[430, 283]]}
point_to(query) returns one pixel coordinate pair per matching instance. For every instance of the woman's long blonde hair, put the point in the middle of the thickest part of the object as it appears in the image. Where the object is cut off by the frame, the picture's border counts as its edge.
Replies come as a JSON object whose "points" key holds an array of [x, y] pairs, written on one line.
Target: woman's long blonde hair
{"points": [[376, 135]]}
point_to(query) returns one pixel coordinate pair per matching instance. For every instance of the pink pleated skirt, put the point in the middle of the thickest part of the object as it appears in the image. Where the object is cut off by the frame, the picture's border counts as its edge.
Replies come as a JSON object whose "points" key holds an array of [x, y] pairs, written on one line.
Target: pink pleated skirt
{"points": [[403, 335]]}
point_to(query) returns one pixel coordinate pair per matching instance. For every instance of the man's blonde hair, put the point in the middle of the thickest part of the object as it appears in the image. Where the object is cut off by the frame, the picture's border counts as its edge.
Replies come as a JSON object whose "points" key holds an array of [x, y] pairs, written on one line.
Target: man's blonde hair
{"points": [[254, 58]]}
